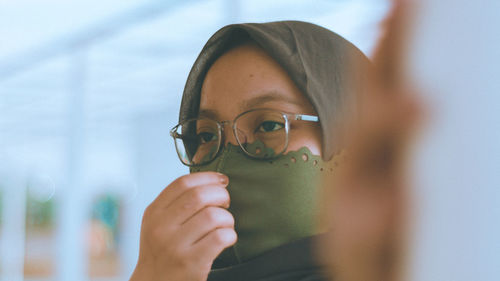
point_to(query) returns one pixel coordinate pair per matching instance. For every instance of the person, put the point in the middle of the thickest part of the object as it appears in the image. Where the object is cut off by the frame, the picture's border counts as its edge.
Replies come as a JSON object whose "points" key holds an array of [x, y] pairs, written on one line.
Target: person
{"points": [[261, 124]]}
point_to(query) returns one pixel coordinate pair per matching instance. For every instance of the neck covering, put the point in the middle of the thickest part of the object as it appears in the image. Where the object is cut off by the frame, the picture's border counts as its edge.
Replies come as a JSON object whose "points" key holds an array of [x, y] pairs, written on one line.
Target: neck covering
{"points": [[328, 70], [296, 261]]}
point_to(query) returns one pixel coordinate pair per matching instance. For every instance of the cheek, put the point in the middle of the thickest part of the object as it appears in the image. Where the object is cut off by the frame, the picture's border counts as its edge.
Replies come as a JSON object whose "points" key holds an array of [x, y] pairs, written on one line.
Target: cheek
{"points": [[308, 136]]}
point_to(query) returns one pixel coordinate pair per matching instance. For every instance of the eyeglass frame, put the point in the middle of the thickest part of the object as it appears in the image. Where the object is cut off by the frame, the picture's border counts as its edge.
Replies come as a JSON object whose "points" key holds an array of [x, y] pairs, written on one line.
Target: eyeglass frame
{"points": [[220, 131]]}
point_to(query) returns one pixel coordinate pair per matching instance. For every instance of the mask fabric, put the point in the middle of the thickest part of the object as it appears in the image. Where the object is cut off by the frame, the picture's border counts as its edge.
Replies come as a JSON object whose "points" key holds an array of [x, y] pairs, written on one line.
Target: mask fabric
{"points": [[273, 202]]}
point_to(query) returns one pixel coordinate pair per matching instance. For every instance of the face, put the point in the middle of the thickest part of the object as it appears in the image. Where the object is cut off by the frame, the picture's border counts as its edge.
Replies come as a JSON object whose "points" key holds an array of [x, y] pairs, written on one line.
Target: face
{"points": [[246, 78]]}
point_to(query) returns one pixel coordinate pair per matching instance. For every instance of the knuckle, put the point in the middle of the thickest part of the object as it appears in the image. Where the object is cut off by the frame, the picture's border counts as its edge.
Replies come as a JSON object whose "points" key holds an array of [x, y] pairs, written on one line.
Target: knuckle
{"points": [[198, 196], [223, 192], [227, 197], [225, 217], [230, 217], [212, 215], [182, 181], [222, 236], [218, 236]]}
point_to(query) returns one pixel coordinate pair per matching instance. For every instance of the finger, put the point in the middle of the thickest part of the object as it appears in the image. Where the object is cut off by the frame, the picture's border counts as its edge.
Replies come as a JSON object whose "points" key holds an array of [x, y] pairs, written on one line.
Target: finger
{"points": [[194, 200], [212, 244], [205, 221], [187, 182]]}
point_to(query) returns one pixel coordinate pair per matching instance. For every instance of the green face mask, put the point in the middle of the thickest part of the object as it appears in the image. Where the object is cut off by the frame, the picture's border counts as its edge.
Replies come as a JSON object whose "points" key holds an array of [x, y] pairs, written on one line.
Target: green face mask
{"points": [[273, 201]]}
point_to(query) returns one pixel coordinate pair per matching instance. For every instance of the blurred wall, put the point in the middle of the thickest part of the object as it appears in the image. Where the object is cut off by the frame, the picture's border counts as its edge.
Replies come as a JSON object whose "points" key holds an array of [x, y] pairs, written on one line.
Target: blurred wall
{"points": [[454, 58]]}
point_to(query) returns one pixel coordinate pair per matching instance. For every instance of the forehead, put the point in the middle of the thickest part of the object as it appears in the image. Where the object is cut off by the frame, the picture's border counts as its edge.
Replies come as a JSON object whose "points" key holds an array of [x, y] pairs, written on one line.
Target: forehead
{"points": [[246, 77]]}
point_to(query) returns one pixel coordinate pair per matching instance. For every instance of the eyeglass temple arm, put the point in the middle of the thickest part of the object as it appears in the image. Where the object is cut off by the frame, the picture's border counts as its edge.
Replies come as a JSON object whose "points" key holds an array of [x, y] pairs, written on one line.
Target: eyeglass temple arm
{"points": [[174, 134], [303, 117]]}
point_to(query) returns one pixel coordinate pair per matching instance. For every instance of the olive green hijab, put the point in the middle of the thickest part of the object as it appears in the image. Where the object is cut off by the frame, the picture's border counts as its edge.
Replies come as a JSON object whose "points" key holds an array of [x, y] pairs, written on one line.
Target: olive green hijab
{"points": [[328, 69]]}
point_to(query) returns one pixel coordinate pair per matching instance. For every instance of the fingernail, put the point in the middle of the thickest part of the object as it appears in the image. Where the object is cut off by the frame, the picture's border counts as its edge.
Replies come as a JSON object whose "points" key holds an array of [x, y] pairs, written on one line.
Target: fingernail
{"points": [[223, 179]]}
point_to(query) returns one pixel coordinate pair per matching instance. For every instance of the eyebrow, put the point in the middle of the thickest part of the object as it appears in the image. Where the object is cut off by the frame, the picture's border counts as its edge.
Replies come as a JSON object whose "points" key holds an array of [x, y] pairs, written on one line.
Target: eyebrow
{"points": [[267, 97], [208, 113], [253, 103]]}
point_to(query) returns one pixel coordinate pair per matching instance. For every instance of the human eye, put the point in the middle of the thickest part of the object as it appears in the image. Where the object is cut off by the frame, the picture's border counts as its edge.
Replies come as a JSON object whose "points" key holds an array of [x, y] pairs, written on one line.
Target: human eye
{"points": [[206, 137], [270, 126]]}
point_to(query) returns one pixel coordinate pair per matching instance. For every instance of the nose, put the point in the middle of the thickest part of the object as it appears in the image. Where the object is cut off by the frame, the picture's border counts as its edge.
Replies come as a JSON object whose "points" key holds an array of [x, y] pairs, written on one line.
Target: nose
{"points": [[229, 136], [233, 135]]}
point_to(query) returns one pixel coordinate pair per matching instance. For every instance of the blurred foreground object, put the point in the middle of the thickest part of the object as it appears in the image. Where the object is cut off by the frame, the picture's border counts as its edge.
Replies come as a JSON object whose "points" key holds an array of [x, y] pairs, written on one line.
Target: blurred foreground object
{"points": [[368, 206], [452, 54]]}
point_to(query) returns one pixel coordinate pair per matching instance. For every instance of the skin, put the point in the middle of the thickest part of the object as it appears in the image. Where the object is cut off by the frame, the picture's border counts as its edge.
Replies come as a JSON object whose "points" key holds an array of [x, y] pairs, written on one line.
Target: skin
{"points": [[188, 225]]}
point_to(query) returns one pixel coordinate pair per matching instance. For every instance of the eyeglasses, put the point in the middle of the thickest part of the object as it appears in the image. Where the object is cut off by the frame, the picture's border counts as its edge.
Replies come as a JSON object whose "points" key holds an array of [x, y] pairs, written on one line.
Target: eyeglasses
{"points": [[261, 134]]}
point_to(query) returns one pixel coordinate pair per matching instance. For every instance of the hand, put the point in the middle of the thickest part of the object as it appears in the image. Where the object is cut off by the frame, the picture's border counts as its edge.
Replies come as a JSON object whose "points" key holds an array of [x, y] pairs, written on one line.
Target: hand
{"points": [[369, 205], [185, 228]]}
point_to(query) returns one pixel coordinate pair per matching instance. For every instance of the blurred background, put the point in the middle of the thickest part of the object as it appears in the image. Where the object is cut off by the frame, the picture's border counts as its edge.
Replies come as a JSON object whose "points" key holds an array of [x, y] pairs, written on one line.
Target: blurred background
{"points": [[88, 93], [89, 90]]}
